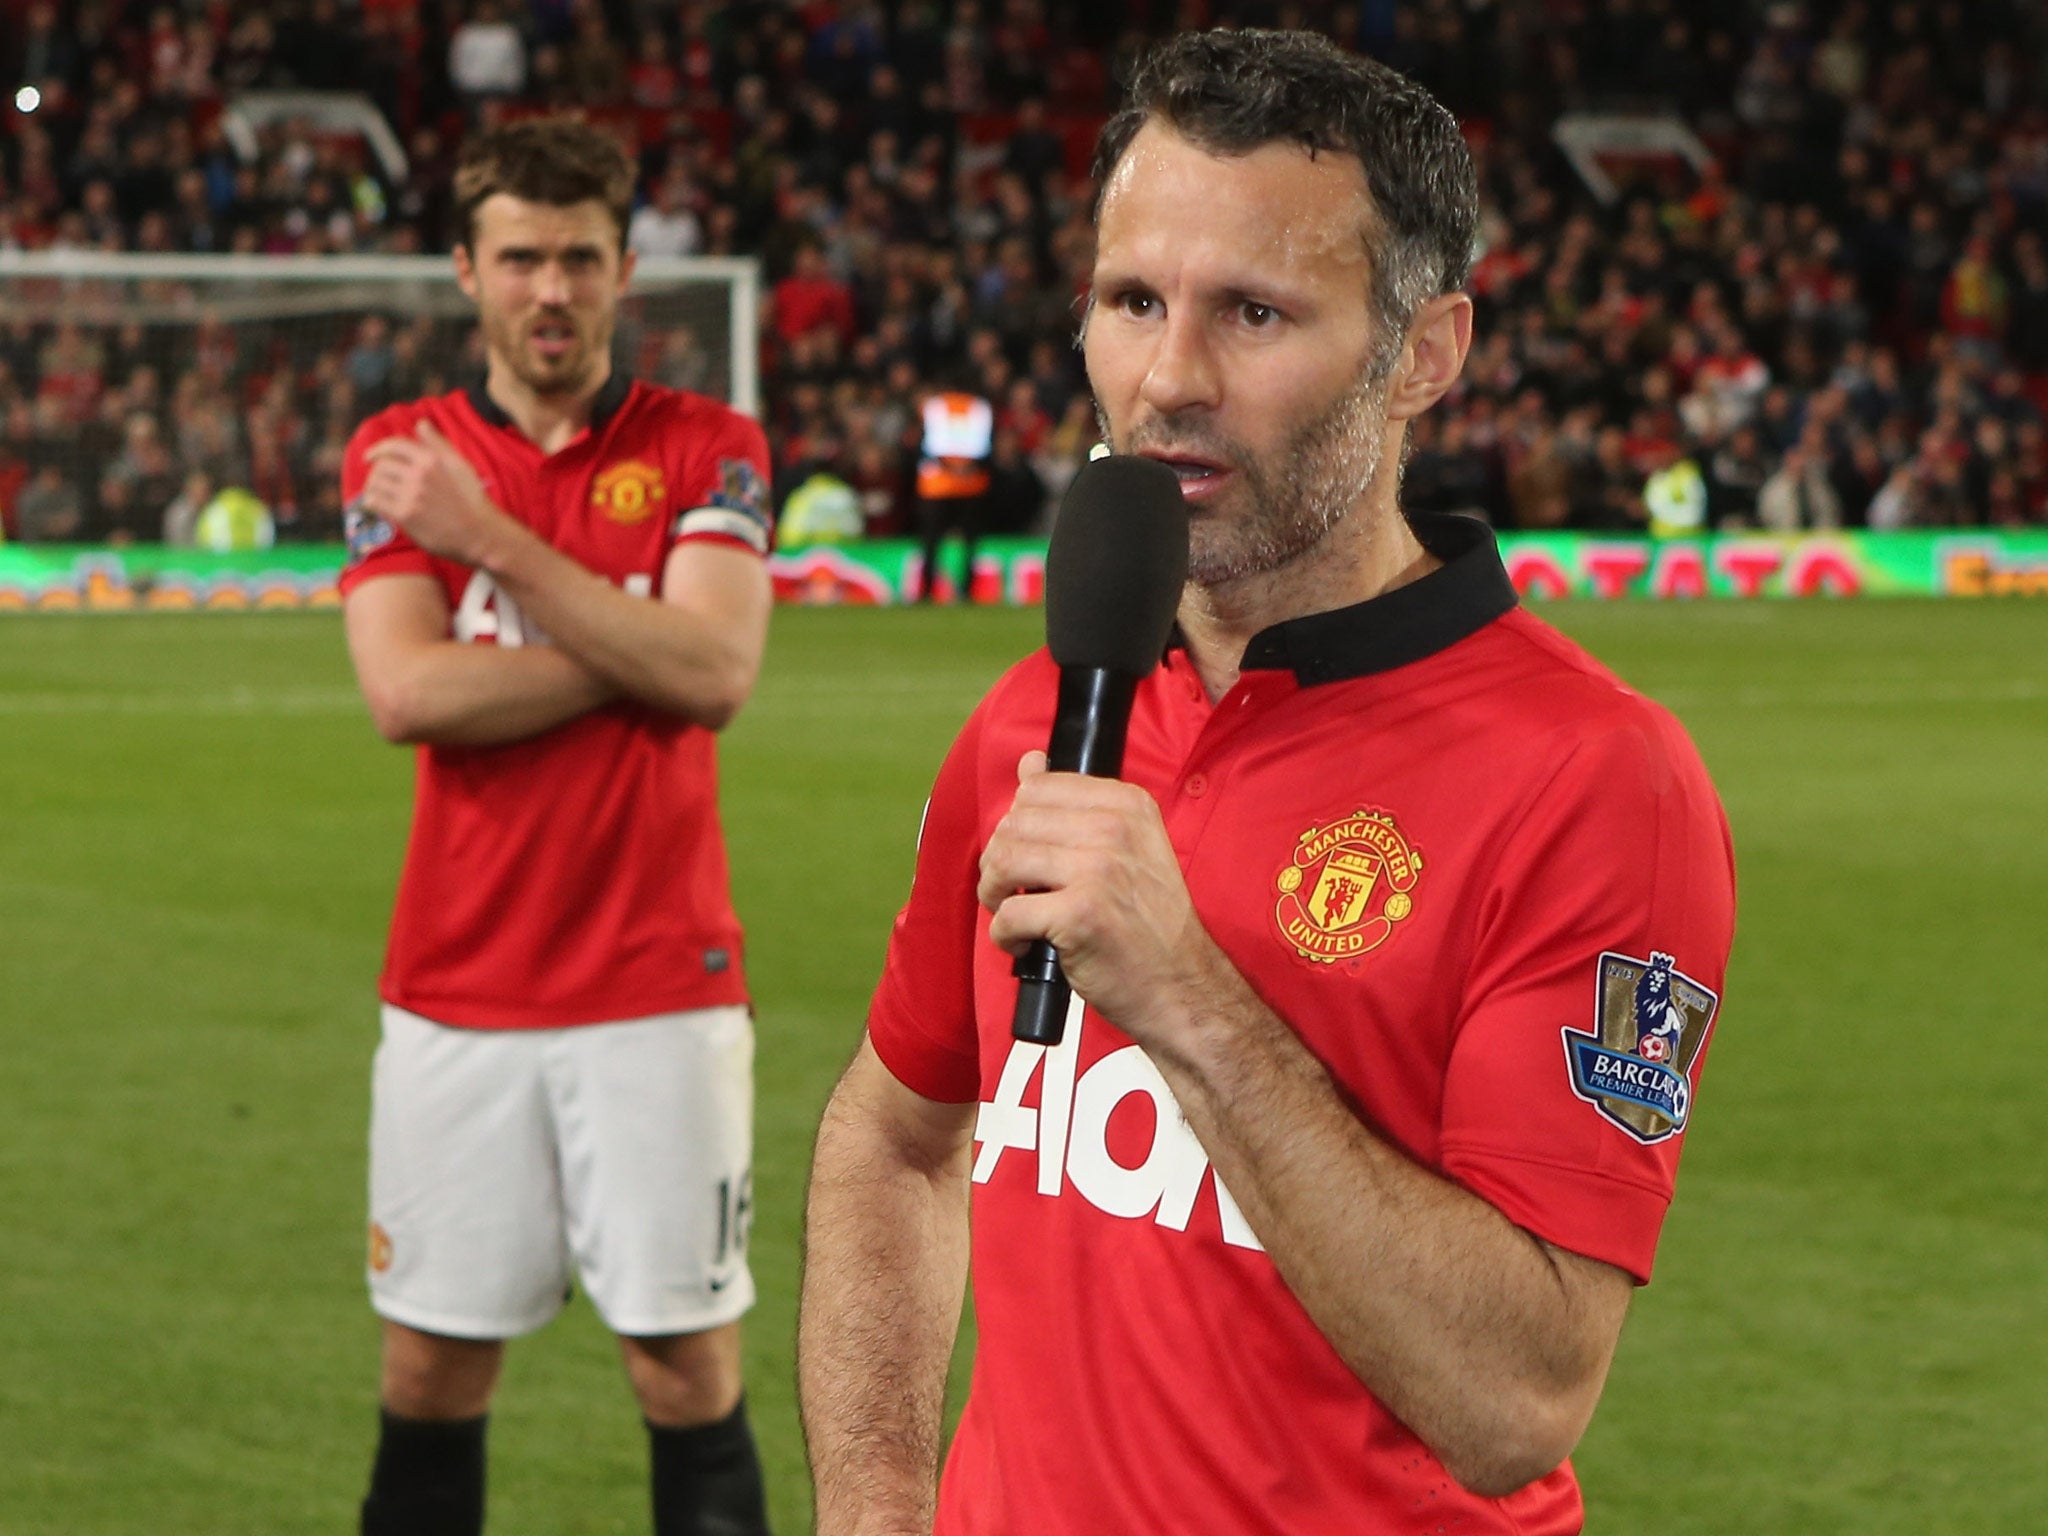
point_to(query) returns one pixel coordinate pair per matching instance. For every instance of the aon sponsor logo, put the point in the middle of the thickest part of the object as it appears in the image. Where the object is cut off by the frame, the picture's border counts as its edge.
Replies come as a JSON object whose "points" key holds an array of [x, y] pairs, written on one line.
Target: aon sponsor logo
{"points": [[1068, 1135], [485, 613]]}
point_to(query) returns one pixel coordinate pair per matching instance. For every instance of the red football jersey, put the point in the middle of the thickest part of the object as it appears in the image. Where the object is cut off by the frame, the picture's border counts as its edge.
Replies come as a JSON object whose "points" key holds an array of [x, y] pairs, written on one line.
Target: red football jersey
{"points": [[1491, 889], [578, 876]]}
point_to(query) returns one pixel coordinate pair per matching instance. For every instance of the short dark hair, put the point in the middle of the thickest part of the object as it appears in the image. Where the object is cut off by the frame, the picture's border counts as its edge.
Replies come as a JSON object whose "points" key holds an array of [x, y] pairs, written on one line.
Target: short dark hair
{"points": [[1234, 91], [559, 161]]}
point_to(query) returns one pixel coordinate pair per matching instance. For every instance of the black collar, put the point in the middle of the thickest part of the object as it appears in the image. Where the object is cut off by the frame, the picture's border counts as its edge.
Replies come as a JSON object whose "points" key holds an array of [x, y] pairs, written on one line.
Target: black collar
{"points": [[1466, 594], [602, 408]]}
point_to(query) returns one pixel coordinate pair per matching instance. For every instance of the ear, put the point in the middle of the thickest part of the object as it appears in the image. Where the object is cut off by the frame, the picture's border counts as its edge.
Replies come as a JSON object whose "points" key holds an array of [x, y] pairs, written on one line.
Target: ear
{"points": [[465, 271], [1438, 339]]}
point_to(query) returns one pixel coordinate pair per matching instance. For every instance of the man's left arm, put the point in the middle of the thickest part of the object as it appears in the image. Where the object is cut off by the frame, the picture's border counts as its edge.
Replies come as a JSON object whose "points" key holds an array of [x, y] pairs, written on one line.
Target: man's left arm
{"points": [[1489, 1343], [695, 653]]}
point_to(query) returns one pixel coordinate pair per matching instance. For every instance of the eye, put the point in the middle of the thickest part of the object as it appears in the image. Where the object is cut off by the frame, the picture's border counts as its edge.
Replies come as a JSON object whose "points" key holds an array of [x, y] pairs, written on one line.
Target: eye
{"points": [[1136, 303], [1256, 315]]}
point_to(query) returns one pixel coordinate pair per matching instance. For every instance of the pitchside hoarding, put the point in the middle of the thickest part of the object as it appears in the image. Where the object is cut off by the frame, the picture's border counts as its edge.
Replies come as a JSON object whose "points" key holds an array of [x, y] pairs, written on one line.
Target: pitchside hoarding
{"points": [[71, 578]]}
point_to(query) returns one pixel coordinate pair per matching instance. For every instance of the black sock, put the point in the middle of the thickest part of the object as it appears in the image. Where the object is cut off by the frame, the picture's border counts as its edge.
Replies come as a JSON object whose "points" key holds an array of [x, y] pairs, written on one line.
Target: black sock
{"points": [[707, 1479], [428, 1479]]}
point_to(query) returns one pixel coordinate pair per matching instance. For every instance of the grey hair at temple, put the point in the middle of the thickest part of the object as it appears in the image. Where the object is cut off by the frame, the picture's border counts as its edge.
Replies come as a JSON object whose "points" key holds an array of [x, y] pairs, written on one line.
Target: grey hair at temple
{"points": [[1234, 91]]}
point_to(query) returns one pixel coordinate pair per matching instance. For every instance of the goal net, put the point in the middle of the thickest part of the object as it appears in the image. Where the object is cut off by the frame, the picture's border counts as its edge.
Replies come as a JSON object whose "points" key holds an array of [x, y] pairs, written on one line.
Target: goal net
{"points": [[135, 390]]}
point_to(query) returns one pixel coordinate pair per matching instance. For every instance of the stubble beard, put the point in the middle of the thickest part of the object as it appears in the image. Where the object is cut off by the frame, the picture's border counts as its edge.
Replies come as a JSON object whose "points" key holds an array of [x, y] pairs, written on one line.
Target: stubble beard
{"points": [[573, 373], [1293, 498]]}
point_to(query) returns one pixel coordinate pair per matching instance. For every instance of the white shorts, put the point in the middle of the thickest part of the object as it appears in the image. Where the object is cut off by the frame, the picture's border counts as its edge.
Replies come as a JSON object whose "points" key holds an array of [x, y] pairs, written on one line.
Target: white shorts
{"points": [[499, 1158]]}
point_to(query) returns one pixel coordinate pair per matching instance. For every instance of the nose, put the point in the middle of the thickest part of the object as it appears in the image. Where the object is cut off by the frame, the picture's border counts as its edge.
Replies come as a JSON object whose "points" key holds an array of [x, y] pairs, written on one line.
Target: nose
{"points": [[552, 287], [1183, 374]]}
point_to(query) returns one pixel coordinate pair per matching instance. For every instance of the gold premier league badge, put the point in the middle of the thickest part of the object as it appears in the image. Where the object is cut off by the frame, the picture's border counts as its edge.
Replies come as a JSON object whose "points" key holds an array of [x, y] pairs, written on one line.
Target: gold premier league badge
{"points": [[1635, 1065], [628, 492], [1346, 887]]}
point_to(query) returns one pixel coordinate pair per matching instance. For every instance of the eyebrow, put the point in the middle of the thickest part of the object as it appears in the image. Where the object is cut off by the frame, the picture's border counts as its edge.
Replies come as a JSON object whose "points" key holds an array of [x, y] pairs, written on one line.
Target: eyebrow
{"points": [[1275, 295], [583, 248], [1271, 298]]}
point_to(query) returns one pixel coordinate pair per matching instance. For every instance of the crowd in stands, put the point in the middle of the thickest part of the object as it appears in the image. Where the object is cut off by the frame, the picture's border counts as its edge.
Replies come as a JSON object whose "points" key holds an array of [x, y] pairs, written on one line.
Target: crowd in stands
{"points": [[1842, 322]]}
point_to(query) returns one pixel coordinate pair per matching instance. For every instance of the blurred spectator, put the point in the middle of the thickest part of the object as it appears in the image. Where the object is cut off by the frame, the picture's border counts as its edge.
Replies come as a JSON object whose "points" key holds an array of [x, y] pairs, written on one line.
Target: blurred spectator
{"points": [[811, 300], [1799, 497], [121, 516], [1675, 495], [234, 519], [595, 66], [1033, 152], [1609, 492], [666, 225], [1539, 485], [49, 510], [1444, 473], [1898, 502], [823, 509], [953, 482], [145, 464], [1016, 493], [181, 517], [1735, 478], [486, 56]]}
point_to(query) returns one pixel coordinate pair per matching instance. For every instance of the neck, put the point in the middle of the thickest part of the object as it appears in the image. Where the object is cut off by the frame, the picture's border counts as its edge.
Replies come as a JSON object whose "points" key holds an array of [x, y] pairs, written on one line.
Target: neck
{"points": [[549, 419], [1371, 552]]}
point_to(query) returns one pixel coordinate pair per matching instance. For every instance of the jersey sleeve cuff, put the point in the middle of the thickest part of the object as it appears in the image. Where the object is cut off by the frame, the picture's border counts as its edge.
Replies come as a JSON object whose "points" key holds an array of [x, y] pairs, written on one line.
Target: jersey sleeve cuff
{"points": [[723, 540], [395, 562], [725, 523], [928, 1070], [1616, 1221]]}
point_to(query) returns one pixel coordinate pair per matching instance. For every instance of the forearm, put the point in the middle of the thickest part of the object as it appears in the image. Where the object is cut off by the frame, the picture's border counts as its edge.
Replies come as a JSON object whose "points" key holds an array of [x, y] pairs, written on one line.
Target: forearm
{"points": [[885, 1276], [1459, 1321], [451, 694], [663, 655]]}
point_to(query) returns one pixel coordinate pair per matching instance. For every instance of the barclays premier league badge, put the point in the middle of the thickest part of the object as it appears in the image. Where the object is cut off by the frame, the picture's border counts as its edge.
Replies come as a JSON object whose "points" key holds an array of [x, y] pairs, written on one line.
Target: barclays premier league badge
{"points": [[365, 531], [1649, 1023]]}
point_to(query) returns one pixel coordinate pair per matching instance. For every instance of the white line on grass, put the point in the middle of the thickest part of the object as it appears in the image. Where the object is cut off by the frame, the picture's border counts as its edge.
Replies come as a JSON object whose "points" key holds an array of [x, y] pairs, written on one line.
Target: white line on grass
{"points": [[2018, 690], [234, 701]]}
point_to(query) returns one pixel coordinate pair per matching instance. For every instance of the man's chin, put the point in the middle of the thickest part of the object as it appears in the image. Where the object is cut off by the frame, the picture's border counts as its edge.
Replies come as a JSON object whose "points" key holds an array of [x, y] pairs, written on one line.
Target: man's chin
{"points": [[563, 376], [1218, 556]]}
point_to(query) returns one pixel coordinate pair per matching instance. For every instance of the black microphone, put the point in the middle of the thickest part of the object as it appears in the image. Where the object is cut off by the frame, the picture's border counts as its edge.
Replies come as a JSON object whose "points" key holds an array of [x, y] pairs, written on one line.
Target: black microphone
{"points": [[1113, 579]]}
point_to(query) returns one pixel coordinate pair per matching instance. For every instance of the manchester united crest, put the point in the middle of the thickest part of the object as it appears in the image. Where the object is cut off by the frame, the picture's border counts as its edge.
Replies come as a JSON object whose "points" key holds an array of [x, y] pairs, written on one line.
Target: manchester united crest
{"points": [[630, 492], [1347, 887]]}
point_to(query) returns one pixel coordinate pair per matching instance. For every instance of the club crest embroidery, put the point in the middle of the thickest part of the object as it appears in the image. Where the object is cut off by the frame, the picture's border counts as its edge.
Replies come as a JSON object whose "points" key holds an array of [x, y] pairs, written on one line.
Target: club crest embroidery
{"points": [[628, 492], [1649, 1022], [1346, 887]]}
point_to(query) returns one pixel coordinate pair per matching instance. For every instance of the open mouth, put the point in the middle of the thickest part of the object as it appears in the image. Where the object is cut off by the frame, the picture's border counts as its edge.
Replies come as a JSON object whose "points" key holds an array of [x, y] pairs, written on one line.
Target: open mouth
{"points": [[554, 337], [1199, 477]]}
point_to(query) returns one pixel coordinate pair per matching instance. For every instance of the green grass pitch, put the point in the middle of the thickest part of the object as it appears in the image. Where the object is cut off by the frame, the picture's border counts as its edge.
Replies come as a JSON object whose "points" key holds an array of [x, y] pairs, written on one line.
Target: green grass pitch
{"points": [[199, 836]]}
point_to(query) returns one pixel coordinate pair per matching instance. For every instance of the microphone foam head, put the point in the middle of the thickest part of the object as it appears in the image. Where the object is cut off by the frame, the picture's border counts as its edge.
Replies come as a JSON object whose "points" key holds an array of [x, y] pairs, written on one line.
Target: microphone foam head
{"points": [[1118, 561]]}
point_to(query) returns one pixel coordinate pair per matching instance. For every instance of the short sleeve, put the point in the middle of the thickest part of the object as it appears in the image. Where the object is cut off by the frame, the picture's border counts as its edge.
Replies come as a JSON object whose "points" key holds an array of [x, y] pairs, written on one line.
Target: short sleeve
{"points": [[1594, 986], [922, 1020], [727, 498], [375, 547]]}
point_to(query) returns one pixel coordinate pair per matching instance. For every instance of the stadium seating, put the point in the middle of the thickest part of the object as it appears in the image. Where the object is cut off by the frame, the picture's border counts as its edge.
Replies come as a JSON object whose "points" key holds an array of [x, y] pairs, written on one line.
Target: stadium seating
{"points": [[1841, 316]]}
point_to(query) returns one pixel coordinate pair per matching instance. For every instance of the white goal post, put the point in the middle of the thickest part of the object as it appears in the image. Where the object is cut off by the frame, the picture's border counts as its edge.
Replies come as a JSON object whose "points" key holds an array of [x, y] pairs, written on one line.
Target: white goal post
{"points": [[127, 380]]}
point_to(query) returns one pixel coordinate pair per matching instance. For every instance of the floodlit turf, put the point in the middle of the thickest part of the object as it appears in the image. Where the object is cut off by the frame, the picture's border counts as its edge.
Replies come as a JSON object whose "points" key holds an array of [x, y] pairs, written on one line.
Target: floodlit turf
{"points": [[199, 836]]}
